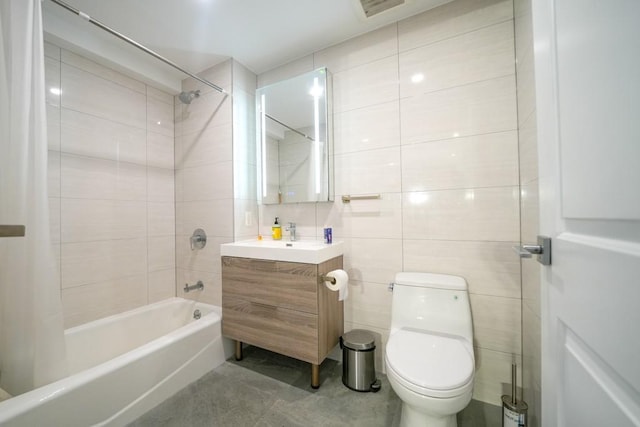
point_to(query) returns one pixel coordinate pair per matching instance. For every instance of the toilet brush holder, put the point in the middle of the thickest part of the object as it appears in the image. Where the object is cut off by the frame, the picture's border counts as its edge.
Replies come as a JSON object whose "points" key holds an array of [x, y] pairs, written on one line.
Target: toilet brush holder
{"points": [[514, 411]]}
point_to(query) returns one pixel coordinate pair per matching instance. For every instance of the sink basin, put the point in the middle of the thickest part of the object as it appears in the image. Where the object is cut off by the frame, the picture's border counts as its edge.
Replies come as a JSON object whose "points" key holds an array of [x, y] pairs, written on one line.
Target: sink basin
{"points": [[306, 251]]}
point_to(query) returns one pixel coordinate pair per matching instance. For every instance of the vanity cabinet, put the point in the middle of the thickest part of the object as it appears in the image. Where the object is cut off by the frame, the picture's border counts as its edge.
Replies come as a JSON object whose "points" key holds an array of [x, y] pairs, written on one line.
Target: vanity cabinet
{"points": [[283, 307]]}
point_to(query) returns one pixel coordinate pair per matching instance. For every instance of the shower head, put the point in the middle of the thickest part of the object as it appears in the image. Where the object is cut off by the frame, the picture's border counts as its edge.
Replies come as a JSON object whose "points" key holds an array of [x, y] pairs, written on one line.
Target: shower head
{"points": [[187, 97]]}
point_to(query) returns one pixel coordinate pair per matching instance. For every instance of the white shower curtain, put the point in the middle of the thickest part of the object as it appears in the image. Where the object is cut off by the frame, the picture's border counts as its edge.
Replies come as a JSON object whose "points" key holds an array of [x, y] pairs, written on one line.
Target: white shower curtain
{"points": [[32, 350]]}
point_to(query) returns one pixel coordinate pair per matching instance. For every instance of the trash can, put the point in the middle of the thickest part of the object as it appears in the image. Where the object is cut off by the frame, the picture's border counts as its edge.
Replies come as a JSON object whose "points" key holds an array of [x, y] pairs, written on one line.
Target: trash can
{"points": [[358, 360]]}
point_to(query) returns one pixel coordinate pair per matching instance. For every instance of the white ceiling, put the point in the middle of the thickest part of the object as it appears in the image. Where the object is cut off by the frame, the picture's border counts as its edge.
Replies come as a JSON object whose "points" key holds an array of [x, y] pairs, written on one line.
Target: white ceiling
{"points": [[196, 34]]}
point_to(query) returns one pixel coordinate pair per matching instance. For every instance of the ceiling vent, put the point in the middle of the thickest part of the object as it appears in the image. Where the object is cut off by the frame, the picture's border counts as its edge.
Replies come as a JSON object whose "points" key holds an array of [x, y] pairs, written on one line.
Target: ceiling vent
{"points": [[373, 7]]}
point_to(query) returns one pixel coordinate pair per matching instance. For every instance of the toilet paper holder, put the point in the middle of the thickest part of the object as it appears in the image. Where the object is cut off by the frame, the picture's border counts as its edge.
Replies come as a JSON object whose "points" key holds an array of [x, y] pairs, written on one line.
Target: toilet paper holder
{"points": [[329, 279]]}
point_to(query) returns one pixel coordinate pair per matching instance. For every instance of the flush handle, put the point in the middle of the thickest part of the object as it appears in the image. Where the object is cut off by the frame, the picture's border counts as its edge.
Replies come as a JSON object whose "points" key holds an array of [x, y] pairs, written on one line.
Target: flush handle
{"points": [[542, 250]]}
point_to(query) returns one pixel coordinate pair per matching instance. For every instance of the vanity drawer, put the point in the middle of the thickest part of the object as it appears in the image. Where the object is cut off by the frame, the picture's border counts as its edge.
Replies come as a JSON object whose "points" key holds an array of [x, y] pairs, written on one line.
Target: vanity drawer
{"points": [[277, 283], [289, 332]]}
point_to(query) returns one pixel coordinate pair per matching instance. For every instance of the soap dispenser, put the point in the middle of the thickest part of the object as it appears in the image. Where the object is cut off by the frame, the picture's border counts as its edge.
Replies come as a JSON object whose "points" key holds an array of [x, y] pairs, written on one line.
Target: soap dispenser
{"points": [[276, 230]]}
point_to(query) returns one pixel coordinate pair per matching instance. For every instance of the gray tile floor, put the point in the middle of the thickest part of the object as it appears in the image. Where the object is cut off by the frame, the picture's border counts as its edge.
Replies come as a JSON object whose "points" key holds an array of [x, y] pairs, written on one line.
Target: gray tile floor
{"points": [[267, 389]]}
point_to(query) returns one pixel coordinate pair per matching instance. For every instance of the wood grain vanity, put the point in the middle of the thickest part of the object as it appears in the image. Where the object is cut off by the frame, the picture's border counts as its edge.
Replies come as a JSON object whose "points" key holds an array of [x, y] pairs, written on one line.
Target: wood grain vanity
{"points": [[283, 307]]}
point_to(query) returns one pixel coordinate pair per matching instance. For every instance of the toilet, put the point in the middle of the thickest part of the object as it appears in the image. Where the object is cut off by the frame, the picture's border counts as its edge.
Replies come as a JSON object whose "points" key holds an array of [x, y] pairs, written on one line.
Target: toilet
{"points": [[429, 355]]}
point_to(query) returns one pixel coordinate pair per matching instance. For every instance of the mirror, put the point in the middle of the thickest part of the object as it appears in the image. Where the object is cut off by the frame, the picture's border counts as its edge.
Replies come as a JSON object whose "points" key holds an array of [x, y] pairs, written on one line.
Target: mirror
{"points": [[294, 140]]}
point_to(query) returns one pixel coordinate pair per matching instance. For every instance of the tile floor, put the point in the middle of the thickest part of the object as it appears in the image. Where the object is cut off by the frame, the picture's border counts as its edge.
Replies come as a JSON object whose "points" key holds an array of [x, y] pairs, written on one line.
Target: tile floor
{"points": [[267, 389]]}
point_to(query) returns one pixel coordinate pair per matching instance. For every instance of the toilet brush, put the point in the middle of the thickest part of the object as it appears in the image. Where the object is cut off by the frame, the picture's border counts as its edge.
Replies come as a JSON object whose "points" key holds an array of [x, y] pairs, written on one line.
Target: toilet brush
{"points": [[514, 411]]}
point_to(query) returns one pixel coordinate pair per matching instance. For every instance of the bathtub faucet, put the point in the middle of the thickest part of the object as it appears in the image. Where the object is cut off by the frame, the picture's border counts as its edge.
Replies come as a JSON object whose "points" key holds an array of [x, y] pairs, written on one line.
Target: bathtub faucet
{"points": [[198, 286]]}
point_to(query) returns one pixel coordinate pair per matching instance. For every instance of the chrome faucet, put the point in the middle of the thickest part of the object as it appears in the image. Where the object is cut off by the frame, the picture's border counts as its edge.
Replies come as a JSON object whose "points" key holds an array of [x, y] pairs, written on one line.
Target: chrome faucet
{"points": [[292, 231]]}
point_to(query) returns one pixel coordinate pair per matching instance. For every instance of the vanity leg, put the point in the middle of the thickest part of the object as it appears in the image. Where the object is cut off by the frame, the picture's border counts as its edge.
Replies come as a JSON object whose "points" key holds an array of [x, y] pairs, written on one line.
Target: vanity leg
{"points": [[315, 376], [238, 350]]}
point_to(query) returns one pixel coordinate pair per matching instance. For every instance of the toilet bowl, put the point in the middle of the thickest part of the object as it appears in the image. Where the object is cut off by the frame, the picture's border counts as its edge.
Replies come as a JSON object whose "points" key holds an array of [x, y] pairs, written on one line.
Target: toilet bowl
{"points": [[429, 356]]}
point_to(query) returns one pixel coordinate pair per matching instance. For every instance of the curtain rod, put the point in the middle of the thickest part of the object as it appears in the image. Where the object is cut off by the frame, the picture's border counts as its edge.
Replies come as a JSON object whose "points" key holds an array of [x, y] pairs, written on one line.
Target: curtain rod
{"points": [[136, 44]]}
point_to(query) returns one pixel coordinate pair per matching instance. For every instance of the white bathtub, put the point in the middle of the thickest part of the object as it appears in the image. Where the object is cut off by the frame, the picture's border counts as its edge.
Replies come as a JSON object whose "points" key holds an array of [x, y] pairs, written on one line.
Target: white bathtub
{"points": [[122, 366]]}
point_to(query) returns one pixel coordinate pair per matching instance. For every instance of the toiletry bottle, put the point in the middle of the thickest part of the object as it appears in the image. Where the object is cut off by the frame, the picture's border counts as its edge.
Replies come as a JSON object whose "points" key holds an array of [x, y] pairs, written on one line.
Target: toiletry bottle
{"points": [[276, 230]]}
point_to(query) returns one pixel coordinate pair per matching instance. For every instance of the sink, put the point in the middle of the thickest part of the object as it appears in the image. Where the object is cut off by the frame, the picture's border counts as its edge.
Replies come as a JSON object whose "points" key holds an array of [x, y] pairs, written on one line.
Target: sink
{"points": [[306, 251]]}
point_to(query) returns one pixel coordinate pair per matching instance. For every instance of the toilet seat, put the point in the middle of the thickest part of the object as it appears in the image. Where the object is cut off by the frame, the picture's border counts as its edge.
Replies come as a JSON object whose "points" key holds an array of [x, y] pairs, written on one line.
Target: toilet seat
{"points": [[430, 364]]}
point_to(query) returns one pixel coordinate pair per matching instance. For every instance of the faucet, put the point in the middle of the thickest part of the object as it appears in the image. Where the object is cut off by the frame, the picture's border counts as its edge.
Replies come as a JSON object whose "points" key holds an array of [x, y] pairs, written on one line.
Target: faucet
{"points": [[292, 231]]}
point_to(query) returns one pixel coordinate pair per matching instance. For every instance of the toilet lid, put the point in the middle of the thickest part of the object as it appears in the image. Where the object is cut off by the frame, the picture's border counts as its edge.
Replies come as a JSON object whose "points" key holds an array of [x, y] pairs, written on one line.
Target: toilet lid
{"points": [[435, 362]]}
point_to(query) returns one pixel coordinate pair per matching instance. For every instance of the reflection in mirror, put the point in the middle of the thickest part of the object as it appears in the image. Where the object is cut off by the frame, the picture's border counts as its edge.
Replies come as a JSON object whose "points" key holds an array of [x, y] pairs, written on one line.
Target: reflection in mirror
{"points": [[294, 139]]}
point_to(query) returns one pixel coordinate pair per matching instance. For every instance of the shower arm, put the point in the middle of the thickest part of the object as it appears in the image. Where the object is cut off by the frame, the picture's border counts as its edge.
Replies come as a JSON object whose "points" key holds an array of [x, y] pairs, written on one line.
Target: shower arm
{"points": [[136, 44]]}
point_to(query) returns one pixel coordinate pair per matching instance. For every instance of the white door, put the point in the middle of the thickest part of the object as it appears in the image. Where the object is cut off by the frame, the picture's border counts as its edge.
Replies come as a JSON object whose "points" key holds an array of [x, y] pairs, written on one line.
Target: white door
{"points": [[588, 106]]}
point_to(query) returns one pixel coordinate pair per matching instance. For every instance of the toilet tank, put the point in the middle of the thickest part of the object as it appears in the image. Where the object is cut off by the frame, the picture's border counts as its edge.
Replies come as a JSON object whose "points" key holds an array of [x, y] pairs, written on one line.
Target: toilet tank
{"points": [[431, 302]]}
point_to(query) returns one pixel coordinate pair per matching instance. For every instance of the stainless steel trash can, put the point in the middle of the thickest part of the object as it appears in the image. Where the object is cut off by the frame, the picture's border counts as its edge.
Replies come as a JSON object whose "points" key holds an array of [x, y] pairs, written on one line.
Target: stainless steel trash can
{"points": [[358, 360]]}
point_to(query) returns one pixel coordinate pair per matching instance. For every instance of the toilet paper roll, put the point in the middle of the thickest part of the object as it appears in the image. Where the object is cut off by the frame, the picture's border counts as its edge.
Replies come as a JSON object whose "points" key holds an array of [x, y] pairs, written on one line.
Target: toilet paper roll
{"points": [[342, 280]]}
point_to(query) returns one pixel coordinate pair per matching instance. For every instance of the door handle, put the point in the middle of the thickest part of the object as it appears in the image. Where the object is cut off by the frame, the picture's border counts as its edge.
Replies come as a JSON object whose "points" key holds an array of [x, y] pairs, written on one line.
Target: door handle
{"points": [[12, 230], [542, 250]]}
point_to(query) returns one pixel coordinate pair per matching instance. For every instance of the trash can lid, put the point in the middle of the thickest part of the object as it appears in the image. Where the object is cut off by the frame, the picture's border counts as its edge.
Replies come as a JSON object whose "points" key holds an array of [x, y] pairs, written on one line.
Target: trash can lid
{"points": [[359, 339]]}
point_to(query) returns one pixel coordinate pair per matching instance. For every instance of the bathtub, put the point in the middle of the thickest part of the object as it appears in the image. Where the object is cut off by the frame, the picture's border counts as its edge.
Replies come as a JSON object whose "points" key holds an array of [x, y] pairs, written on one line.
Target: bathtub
{"points": [[123, 365]]}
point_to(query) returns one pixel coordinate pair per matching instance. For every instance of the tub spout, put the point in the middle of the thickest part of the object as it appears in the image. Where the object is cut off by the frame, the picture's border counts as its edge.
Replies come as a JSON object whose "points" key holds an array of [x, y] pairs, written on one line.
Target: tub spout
{"points": [[198, 286]]}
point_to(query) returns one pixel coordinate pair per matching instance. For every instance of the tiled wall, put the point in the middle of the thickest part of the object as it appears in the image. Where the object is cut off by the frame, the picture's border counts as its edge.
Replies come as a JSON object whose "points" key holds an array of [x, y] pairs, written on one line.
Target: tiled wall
{"points": [[204, 181], [215, 174], [111, 187], [443, 153], [529, 207]]}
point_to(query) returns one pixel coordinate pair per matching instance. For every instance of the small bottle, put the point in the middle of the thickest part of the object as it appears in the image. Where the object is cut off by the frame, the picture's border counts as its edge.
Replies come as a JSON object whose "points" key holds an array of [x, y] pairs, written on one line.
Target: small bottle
{"points": [[276, 230]]}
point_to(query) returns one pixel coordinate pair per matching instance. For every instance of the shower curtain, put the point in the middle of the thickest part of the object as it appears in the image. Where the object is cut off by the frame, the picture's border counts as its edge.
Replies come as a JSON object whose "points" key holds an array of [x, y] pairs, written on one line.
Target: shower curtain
{"points": [[32, 349]]}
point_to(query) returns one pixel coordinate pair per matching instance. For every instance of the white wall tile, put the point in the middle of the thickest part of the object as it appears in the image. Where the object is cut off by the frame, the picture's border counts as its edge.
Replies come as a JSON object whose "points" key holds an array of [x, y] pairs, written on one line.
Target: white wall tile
{"points": [[451, 19], [108, 100], [98, 70], [490, 268], [528, 141], [208, 182], [530, 211], [472, 57], [159, 117], [82, 304], [496, 323], [488, 160], [53, 173], [160, 150], [372, 171], [53, 127], [159, 95], [360, 50], [489, 214], [380, 218], [493, 375], [477, 108], [210, 109], [160, 185], [51, 51], [162, 285], [372, 260], [214, 216], [212, 145], [99, 261], [526, 87], [161, 218], [54, 220], [373, 83], [91, 178], [206, 259], [246, 219], [88, 135], [52, 81], [161, 253], [88, 220], [243, 78], [368, 304], [367, 128]]}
